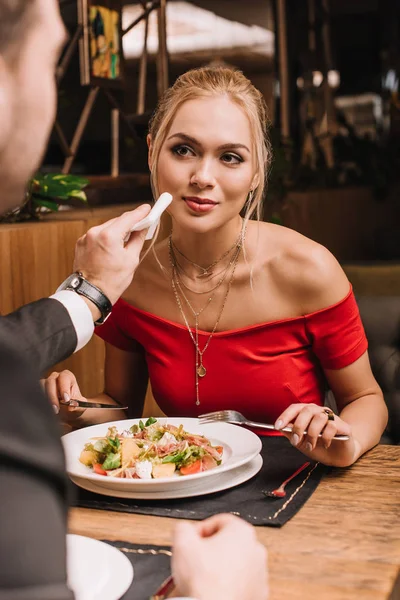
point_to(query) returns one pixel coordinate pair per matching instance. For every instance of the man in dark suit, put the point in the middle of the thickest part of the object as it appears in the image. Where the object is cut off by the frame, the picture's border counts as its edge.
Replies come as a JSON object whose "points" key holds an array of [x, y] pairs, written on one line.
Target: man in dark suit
{"points": [[33, 487], [33, 484]]}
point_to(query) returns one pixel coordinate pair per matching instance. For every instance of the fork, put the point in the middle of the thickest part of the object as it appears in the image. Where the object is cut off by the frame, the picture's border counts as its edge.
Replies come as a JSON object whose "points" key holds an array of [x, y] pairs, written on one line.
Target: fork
{"points": [[280, 491], [235, 417]]}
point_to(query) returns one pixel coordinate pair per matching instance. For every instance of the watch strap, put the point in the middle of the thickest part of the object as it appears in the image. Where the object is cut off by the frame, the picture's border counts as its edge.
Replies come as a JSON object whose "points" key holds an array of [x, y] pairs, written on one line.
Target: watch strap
{"points": [[82, 286]]}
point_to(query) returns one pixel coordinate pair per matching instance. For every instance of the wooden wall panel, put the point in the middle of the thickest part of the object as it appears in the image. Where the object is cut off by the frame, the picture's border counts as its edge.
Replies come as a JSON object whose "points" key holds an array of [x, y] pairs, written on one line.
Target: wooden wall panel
{"points": [[348, 221], [34, 259], [6, 293]]}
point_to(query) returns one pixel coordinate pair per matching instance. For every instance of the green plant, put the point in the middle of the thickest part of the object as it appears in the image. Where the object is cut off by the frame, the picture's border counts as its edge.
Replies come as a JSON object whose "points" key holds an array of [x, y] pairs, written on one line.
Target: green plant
{"points": [[46, 193]]}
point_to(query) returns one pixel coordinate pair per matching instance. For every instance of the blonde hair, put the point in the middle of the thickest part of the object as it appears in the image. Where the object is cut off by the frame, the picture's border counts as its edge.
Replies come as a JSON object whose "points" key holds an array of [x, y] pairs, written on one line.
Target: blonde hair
{"points": [[213, 81]]}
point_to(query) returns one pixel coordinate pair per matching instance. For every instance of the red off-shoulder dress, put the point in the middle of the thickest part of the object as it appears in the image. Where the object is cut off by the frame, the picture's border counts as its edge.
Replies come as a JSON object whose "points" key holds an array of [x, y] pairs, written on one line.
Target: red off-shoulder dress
{"points": [[258, 370]]}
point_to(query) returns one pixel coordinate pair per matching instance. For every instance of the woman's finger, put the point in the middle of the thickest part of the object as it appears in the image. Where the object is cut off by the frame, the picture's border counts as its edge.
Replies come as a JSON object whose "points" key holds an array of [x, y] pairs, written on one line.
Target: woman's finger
{"points": [[315, 427], [328, 434], [66, 383], [50, 387], [302, 423], [289, 415]]}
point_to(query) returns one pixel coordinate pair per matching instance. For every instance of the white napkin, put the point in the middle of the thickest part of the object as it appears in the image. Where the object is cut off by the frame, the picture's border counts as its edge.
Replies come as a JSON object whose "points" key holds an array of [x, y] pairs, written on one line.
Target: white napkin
{"points": [[153, 218]]}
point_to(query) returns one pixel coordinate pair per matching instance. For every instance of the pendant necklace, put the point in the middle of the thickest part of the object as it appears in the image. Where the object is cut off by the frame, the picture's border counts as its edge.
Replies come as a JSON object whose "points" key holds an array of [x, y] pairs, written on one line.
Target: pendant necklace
{"points": [[200, 369]]}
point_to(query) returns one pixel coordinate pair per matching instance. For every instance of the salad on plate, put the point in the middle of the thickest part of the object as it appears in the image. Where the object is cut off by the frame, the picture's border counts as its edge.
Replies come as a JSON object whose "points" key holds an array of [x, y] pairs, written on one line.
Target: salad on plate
{"points": [[150, 450]]}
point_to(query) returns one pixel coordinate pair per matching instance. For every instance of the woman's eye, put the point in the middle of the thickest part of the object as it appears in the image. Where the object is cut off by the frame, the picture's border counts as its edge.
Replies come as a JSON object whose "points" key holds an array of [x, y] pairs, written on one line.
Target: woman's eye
{"points": [[232, 159], [182, 150]]}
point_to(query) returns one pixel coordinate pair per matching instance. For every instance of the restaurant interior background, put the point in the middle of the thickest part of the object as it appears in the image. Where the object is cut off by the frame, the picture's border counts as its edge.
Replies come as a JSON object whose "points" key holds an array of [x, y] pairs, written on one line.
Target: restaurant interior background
{"points": [[336, 137], [329, 70]]}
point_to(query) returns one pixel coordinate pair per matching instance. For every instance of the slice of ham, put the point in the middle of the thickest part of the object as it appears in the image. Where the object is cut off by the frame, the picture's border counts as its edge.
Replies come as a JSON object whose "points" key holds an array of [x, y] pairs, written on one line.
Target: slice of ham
{"points": [[203, 443], [208, 462], [173, 447], [116, 472], [131, 473]]}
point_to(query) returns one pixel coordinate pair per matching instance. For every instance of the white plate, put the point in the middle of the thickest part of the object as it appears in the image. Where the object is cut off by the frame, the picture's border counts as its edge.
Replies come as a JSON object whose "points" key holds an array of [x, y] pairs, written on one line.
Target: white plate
{"points": [[96, 571], [240, 446], [200, 488]]}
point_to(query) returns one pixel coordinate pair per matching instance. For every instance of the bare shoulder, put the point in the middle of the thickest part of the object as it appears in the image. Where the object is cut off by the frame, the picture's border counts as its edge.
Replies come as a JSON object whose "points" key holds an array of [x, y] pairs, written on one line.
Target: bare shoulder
{"points": [[303, 268]]}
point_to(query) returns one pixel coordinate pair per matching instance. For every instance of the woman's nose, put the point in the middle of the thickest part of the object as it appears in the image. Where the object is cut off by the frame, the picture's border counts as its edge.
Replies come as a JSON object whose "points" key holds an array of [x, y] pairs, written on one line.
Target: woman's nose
{"points": [[203, 175]]}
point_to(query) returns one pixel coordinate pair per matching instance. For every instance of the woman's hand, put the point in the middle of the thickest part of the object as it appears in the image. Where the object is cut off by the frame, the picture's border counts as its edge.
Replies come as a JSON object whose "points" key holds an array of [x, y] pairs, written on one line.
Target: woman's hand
{"points": [[63, 387], [313, 419]]}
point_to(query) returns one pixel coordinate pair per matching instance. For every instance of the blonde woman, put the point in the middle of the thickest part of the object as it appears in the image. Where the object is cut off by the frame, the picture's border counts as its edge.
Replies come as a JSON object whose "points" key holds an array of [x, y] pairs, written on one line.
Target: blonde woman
{"points": [[229, 312]]}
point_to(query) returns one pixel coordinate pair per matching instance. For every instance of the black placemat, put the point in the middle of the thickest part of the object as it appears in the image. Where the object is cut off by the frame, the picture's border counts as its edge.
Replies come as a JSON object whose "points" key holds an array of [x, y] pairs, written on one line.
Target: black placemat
{"points": [[151, 565], [280, 460]]}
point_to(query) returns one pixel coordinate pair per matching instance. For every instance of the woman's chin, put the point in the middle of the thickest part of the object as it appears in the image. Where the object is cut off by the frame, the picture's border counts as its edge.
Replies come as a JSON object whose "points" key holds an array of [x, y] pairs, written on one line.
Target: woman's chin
{"points": [[202, 222], [195, 222]]}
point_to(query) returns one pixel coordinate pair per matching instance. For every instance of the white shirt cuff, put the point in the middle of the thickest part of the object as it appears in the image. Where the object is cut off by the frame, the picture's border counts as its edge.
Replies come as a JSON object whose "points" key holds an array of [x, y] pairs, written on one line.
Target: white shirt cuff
{"points": [[80, 314]]}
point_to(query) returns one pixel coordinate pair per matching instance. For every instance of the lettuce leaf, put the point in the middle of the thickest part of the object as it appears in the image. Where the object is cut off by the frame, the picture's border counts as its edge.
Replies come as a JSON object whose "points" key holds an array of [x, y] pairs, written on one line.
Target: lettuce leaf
{"points": [[113, 461]]}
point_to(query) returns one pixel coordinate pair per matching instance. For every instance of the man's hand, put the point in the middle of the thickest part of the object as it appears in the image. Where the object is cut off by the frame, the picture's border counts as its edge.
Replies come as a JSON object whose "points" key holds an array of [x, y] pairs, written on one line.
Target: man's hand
{"points": [[103, 257], [219, 558]]}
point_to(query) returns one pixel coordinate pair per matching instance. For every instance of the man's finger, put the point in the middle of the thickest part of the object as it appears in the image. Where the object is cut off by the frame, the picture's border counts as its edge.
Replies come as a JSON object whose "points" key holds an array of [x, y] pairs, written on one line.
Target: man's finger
{"points": [[184, 536], [130, 217], [135, 242], [214, 524], [124, 223]]}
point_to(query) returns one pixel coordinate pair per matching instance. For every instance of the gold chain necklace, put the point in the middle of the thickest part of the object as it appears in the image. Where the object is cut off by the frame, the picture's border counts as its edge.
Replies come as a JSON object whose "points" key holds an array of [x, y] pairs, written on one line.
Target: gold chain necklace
{"points": [[207, 271], [197, 313], [177, 288], [179, 282], [178, 267], [213, 275], [200, 370]]}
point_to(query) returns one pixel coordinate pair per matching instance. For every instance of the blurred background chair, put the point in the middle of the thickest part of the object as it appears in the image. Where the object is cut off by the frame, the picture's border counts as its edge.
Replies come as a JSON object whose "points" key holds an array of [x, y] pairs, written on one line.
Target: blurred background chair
{"points": [[381, 319]]}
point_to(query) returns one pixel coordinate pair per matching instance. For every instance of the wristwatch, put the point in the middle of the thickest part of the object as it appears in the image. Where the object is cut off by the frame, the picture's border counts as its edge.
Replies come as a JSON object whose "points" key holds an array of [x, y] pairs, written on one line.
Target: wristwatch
{"points": [[77, 283]]}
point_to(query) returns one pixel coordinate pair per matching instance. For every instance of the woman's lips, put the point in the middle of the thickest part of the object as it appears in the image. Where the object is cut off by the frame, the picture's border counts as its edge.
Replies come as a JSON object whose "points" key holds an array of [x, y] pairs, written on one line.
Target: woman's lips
{"points": [[201, 205]]}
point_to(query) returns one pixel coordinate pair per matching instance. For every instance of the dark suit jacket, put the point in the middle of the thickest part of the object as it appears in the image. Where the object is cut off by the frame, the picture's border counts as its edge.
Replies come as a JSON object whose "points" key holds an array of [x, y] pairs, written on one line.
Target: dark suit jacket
{"points": [[33, 483]]}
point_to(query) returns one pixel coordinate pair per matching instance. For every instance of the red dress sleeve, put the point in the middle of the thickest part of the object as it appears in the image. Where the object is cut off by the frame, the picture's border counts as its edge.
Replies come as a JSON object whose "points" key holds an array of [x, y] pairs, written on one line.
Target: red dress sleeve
{"points": [[114, 330], [337, 333]]}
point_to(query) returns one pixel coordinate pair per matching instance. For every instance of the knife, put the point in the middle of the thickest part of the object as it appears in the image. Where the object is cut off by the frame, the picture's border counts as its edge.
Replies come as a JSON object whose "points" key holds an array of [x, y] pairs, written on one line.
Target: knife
{"points": [[83, 404]]}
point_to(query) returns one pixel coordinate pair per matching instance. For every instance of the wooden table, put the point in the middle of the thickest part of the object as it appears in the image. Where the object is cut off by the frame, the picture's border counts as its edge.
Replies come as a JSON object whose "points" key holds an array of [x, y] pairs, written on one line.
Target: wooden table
{"points": [[344, 544]]}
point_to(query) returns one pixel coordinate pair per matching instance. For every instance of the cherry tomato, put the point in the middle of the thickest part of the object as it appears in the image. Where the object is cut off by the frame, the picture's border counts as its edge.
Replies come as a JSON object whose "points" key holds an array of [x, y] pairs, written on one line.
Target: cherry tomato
{"points": [[97, 468], [193, 468]]}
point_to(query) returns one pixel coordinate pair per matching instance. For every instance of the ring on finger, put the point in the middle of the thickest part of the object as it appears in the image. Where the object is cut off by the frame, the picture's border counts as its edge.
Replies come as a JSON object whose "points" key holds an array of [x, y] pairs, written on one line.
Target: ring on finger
{"points": [[330, 413]]}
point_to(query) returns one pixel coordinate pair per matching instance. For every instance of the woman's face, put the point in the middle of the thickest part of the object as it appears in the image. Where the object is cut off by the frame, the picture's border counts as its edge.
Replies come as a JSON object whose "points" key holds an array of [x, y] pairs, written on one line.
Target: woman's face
{"points": [[207, 163]]}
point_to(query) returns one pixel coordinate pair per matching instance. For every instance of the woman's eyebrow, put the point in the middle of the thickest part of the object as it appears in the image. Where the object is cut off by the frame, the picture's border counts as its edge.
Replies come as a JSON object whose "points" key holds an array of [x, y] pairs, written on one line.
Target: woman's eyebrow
{"points": [[229, 146], [232, 146], [185, 137]]}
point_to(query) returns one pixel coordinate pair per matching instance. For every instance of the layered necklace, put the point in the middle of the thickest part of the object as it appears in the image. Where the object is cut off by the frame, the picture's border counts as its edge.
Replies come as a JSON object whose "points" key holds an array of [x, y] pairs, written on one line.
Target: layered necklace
{"points": [[205, 271], [178, 284]]}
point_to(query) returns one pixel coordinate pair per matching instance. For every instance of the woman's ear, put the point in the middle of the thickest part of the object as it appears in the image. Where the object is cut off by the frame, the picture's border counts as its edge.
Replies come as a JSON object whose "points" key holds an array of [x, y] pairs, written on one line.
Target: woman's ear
{"points": [[150, 154]]}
